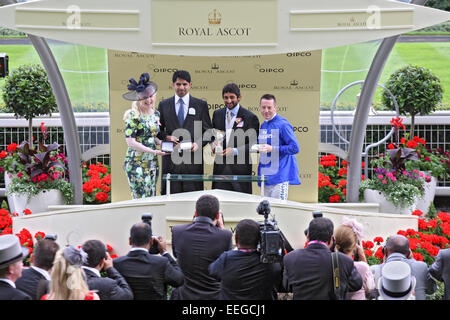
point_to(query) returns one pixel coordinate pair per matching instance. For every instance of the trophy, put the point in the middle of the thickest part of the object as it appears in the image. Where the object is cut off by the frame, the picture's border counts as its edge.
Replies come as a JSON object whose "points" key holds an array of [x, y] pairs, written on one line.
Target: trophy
{"points": [[219, 136]]}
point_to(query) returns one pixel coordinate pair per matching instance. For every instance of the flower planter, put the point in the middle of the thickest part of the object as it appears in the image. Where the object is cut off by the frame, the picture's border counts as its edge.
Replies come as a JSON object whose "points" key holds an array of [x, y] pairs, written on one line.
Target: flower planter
{"points": [[430, 190], [36, 204], [386, 206]]}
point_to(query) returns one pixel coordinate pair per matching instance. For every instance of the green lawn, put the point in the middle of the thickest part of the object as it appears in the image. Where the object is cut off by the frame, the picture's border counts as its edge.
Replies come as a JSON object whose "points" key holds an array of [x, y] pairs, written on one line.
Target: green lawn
{"points": [[83, 68], [432, 55]]}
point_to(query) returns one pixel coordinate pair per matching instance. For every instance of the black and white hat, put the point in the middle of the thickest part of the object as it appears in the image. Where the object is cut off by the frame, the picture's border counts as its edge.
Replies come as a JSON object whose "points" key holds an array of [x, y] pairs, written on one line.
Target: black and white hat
{"points": [[140, 90], [10, 250], [396, 281]]}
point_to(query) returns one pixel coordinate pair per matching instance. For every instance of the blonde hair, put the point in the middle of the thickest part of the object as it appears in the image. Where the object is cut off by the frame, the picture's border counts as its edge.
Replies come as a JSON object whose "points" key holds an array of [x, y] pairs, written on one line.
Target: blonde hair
{"points": [[345, 239], [136, 110], [67, 281]]}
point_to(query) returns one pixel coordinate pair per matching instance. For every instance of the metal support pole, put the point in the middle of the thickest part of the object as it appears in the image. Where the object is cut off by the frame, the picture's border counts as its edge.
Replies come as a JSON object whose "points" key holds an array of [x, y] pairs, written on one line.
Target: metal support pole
{"points": [[65, 110], [362, 111], [67, 116]]}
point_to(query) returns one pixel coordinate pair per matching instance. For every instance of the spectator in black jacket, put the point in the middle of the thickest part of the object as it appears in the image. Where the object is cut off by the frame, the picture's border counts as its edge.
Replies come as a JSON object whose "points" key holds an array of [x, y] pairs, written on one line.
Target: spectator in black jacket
{"points": [[112, 287], [308, 272], [196, 245], [148, 275], [38, 275], [241, 274]]}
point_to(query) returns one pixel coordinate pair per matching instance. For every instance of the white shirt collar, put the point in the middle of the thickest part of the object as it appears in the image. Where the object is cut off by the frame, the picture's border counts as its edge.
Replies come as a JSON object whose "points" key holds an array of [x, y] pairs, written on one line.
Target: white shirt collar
{"points": [[11, 283], [185, 99], [135, 249], [97, 273], [271, 118], [42, 271], [235, 110]]}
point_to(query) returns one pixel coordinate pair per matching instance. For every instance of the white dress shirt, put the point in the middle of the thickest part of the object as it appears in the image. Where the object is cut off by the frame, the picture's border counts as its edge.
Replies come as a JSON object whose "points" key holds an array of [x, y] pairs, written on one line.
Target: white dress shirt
{"points": [[185, 101]]}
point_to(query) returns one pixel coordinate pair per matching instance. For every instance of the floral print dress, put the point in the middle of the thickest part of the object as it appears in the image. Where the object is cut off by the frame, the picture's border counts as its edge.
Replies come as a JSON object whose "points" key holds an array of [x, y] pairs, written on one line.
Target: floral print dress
{"points": [[142, 168]]}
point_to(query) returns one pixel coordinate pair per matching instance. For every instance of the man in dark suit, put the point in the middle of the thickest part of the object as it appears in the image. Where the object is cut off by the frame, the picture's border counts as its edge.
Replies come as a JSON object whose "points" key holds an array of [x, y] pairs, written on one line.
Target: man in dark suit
{"points": [[308, 272], [183, 111], [11, 265], [241, 273], [196, 245], [112, 287], [240, 128], [38, 275], [148, 275]]}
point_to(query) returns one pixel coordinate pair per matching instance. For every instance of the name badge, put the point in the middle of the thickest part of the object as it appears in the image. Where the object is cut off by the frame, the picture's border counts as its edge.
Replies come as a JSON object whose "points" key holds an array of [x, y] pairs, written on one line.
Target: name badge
{"points": [[191, 111]]}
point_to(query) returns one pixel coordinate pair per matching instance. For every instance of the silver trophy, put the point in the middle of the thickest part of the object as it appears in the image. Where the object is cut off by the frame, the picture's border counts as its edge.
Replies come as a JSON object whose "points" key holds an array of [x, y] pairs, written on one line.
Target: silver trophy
{"points": [[219, 135]]}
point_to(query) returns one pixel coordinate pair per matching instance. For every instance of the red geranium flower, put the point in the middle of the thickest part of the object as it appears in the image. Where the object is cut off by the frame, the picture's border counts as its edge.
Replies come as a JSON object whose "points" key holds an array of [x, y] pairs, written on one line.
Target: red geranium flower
{"points": [[378, 240], [417, 213], [101, 196], [12, 147], [39, 235]]}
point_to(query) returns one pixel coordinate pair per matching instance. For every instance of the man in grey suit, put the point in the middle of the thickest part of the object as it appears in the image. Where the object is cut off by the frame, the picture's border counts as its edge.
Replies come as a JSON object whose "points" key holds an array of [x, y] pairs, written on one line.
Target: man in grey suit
{"points": [[440, 270], [397, 249], [196, 245]]}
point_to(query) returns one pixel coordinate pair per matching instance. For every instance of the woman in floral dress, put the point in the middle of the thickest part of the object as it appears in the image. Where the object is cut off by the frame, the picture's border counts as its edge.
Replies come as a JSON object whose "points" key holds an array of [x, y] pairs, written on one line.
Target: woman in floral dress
{"points": [[141, 128]]}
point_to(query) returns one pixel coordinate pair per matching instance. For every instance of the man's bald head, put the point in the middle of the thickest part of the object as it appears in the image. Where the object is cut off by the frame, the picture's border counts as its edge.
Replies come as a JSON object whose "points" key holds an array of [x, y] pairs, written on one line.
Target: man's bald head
{"points": [[397, 244]]}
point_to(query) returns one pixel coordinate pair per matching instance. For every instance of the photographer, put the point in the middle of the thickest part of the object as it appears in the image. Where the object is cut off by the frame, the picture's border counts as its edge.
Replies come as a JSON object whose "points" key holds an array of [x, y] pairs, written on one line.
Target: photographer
{"points": [[242, 274], [308, 272], [348, 237], [148, 275], [196, 245], [114, 287]]}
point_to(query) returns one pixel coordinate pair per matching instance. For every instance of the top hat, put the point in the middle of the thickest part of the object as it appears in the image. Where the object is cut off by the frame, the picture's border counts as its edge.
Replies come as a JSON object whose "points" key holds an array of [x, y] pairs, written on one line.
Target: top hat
{"points": [[10, 250], [396, 281], [140, 90]]}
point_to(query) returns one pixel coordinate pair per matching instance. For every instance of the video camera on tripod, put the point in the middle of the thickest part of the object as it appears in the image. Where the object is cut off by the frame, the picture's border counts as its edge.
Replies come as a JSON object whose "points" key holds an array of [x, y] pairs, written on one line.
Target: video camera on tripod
{"points": [[273, 244]]}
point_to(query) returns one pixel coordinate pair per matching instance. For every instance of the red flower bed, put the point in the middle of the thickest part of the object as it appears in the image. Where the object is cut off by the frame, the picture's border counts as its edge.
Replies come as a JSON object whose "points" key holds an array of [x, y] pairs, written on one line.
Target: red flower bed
{"points": [[25, 237], [96, 183], [432, 235]]}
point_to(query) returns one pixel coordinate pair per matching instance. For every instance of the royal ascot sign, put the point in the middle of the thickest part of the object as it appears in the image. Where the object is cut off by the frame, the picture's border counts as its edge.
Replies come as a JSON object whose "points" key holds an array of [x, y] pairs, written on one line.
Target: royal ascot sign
{"points": [[217, 27], [217, 23]]}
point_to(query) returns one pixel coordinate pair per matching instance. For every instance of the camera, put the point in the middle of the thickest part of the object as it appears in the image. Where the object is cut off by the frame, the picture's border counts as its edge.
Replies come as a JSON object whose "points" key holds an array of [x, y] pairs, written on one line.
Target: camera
{"points": [[147, 218], [273, 244], [51, 236], [315, 214]]}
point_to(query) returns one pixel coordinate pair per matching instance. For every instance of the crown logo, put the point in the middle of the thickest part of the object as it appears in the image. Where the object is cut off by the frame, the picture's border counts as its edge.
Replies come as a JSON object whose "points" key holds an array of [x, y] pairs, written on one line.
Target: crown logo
{"points": [[294, 83], [352, 19], [214, 66], [214, 17]]}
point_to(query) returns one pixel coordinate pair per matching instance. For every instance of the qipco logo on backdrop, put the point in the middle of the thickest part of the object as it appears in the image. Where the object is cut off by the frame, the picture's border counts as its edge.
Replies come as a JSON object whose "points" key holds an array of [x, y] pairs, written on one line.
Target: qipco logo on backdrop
{"points": [[300, 129], [157, 69], [271, 69], [299, 54]]}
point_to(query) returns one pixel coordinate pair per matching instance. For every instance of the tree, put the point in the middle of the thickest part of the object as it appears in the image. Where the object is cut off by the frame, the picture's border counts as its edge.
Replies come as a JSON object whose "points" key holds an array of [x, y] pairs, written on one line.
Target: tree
{"points": [[28, 94], [439, 4], [416, 89]]}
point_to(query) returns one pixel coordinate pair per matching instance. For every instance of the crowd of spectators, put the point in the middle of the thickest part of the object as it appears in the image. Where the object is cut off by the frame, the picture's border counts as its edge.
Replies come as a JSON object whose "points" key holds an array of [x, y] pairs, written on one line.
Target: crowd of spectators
{"points": [[205, 266]]}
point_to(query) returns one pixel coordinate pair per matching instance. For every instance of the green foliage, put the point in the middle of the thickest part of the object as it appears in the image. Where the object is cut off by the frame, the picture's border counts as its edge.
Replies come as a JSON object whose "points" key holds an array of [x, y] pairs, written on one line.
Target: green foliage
{"points": [[416, 89], [27, 92], [439, 4], [17, 186]]}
